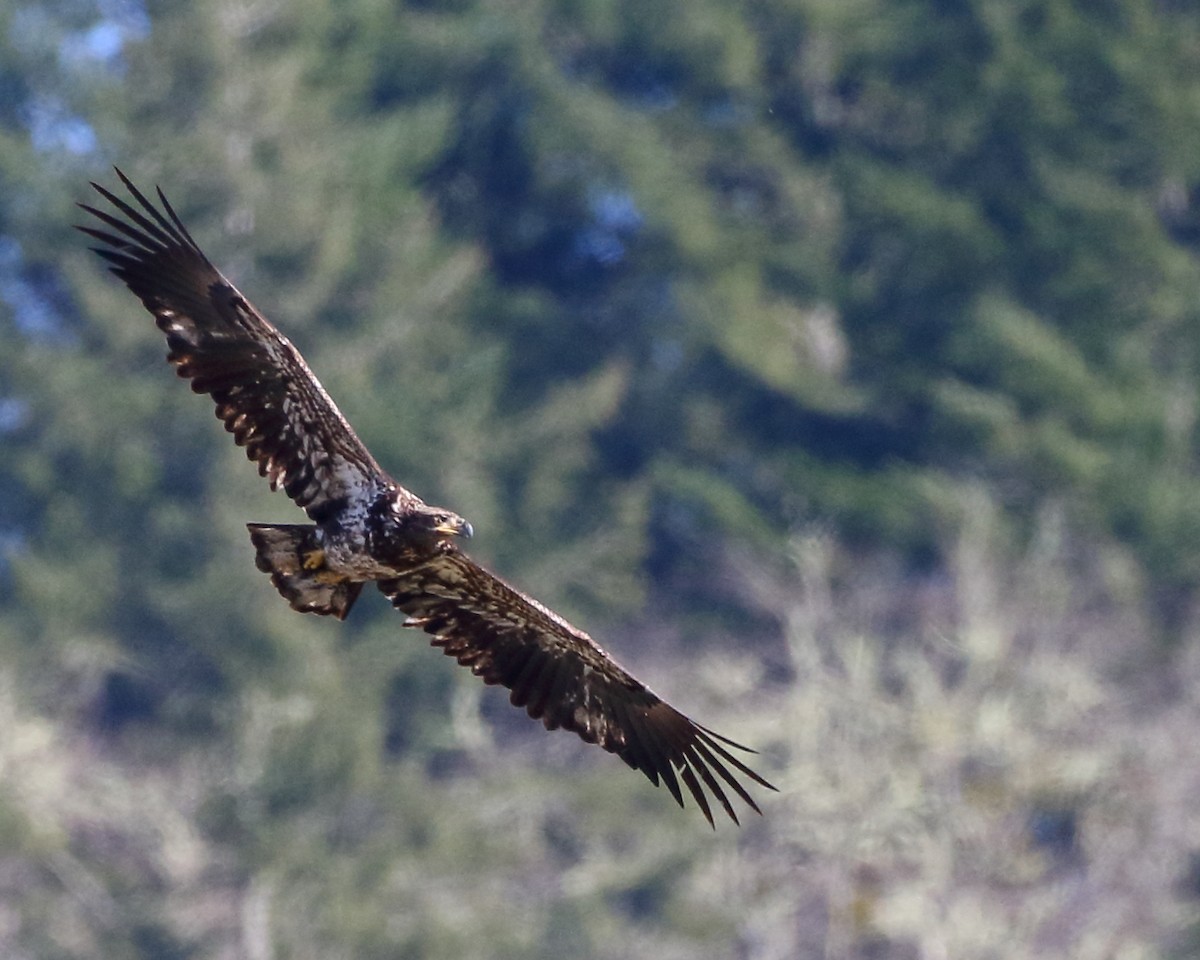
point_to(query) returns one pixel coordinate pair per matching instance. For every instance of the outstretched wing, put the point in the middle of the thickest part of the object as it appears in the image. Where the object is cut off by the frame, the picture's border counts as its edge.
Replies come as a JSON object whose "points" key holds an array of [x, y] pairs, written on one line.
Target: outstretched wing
{"points": [[562, 677], [264, 391]]}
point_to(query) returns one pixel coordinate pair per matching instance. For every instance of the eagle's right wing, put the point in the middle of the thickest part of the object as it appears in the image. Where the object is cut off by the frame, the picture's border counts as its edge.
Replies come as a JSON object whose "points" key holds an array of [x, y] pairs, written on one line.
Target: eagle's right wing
{"points": [[564, 678], [265, 393]]}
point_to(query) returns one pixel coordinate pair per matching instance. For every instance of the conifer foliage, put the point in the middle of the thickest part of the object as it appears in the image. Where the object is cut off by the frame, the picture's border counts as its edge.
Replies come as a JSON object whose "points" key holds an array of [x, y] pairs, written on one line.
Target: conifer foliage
{"points": [[845, 352]]}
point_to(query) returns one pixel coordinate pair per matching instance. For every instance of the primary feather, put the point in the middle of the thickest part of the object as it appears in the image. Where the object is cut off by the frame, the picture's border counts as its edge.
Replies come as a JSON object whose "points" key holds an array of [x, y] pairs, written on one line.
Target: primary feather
{"points": [[265, 393]]}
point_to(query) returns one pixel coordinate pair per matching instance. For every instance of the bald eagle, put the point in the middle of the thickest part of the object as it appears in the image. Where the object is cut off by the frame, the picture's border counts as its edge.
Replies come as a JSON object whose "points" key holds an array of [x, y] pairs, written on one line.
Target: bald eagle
{"points": [[368, 528]]}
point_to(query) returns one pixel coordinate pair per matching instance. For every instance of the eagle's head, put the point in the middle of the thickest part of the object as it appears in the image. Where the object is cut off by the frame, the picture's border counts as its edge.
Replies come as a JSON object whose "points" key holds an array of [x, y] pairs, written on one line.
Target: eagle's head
{"points": [[435, 522]]}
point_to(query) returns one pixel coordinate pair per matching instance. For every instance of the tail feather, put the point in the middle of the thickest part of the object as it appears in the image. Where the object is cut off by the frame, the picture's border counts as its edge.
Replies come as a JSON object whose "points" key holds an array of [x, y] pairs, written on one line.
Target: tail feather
{"points": [[291, 554]]}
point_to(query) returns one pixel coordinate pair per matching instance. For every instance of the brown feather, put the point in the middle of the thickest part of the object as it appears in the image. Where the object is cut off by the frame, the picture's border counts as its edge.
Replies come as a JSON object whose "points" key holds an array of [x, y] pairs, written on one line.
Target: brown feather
{"points": [[265, 394], [562, 677]]}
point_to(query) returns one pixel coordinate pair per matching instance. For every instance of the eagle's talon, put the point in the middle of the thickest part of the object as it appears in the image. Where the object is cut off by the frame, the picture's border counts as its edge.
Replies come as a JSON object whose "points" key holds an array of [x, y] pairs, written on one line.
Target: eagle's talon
{"points": [[313, 559]]}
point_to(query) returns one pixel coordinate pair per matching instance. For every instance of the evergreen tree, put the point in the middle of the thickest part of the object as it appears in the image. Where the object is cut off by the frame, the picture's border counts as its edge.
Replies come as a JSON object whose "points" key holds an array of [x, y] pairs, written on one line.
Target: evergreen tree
{"points": [[633, 285]]}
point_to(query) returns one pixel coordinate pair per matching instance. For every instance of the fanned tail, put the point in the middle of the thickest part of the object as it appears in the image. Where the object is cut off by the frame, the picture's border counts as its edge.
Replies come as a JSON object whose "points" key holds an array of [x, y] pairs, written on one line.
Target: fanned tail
{"points": [[292, 556]]}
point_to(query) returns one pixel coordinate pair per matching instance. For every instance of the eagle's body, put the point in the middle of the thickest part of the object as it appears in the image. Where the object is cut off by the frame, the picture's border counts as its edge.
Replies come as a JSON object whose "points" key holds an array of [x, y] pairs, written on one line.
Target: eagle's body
{"points": [[368, 528], [386, 534]]}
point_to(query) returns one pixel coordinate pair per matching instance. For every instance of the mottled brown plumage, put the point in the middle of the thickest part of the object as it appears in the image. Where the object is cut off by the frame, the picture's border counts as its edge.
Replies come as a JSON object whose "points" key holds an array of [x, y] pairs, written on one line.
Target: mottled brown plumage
{"points": [[265, 393], [561, 676], [369, 528]]}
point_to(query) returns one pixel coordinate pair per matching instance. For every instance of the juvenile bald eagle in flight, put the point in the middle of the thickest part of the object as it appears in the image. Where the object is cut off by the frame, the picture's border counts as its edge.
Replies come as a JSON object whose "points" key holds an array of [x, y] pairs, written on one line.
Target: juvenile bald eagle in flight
{"points": [[368, 528]]}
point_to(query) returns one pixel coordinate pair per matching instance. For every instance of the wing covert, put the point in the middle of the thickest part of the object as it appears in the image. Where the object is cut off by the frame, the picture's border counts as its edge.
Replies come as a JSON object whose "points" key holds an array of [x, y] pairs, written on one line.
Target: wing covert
{"points": [[564, 678], [265, 393]]}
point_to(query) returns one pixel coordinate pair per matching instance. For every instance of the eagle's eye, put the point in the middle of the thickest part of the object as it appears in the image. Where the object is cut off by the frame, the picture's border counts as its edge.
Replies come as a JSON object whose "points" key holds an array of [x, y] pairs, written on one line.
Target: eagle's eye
{"points": [[451, 525]]}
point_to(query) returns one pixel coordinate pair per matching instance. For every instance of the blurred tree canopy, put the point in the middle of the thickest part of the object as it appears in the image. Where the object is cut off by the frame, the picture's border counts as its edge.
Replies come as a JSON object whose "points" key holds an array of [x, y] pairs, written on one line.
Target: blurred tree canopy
{"points": [[634, 285]]}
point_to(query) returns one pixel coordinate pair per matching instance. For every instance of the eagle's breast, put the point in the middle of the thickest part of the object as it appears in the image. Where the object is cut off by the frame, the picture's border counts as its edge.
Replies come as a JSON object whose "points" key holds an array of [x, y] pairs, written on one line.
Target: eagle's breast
{"points": [[356, 538], [388, 538]]}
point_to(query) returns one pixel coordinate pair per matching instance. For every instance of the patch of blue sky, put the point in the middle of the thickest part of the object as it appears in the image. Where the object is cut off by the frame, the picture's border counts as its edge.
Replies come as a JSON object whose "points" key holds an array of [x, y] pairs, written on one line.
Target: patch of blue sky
{"points": [[13, 543], [130, 14], [121, 21], [36, 317], [615, 219], [598, 246], [53, 128], [102, 43], [14, 414], [615, 210]]}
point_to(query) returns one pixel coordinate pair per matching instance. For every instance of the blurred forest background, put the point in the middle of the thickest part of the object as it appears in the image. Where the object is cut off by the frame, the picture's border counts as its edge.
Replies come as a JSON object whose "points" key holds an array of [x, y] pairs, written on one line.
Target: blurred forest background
{"points": [[834, 362]]}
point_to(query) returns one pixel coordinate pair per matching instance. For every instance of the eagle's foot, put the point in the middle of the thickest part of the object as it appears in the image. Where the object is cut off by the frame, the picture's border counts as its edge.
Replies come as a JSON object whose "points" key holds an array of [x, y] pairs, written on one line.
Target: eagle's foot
{"points": [[314, 562], [299, 569], [313, 559]]}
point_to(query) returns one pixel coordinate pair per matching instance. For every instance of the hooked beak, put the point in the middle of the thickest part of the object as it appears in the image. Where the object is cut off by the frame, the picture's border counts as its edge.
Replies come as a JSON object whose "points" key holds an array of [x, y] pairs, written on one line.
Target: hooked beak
{"points": [[458, 527]]}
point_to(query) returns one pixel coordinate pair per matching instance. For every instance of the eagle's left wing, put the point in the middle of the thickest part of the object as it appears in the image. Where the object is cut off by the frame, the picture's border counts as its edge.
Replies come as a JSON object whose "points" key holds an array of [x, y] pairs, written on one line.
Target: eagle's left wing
{"points": [[265, 393], [563, 677]]}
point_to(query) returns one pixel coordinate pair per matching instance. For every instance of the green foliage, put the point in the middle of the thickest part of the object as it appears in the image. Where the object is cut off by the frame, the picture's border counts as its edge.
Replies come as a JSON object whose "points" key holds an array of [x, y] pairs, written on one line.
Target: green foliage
{"points": [[643, 289]]}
